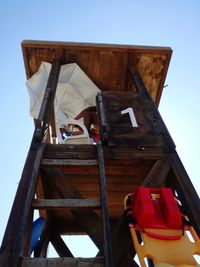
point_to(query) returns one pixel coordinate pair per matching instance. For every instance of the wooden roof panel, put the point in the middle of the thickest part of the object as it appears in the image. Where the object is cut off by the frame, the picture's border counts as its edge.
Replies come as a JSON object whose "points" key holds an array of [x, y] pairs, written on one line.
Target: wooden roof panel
{"points": [[107, 65]]}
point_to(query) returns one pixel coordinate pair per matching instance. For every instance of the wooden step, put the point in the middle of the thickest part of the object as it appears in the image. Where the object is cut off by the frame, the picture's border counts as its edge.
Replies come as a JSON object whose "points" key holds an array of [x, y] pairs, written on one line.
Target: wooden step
{"points": [[65, 203], [62, 262], [70, 162]]}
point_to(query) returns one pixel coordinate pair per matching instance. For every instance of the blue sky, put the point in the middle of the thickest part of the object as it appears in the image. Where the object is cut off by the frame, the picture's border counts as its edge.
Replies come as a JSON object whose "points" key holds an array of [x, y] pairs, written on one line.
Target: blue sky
{"points": [[173, 23]]}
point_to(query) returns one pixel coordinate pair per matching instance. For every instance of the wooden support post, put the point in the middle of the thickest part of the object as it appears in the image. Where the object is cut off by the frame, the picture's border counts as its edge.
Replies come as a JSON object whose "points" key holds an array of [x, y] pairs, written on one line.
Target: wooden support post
{"points": [[185, 188], [123, 251], [47, 107], [169, 145], [104, 208], [52, 124], [14, 237], [186, 191]]}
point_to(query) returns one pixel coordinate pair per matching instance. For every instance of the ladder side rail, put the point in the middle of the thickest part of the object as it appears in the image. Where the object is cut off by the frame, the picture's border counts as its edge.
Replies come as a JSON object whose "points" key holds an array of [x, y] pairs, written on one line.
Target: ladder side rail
{"points": [[186, 191], [185, 188], [47, 107], [104, 207], [169, 143], [14, 236]]}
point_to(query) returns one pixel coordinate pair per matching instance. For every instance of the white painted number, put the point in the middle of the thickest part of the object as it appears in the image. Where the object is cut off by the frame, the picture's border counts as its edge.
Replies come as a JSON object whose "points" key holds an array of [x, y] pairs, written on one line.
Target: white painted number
{"points": [[132, 116]]}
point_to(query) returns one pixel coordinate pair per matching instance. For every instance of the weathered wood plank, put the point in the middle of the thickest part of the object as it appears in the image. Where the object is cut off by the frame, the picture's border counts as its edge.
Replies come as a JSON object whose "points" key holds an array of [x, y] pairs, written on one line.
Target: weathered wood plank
{"points": [[118, 127], [40, 194], [63, 262], [53, 151], [65, 203], [64, 151], [112, 188], [48, 99], [168, 143], [110, 170], [71, 162]]}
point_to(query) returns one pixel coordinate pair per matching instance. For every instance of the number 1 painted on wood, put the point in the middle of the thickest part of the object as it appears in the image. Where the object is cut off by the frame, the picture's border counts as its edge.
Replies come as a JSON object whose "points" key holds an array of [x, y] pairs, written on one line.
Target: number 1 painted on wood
{"points": [[132, 116]]}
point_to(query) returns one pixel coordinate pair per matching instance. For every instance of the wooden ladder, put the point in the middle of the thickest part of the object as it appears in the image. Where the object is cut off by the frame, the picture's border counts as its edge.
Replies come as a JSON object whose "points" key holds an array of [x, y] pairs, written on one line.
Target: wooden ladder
{"points": [[77, 205], [18, 229]]}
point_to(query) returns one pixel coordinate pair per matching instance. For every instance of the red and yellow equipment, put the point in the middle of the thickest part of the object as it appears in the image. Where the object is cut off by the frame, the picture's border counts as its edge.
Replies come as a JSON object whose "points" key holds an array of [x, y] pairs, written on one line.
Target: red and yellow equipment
{"points": [[157, 229]]}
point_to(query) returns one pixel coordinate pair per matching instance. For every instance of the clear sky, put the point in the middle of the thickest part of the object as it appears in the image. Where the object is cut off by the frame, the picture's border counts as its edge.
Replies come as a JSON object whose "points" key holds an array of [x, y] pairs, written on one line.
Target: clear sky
{"points": [[173, 23]]}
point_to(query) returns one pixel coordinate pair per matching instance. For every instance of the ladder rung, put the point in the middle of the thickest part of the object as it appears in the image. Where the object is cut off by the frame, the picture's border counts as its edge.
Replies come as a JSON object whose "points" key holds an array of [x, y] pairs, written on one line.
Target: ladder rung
{"points": [[65, 203], [69, 162], [73, 262]]}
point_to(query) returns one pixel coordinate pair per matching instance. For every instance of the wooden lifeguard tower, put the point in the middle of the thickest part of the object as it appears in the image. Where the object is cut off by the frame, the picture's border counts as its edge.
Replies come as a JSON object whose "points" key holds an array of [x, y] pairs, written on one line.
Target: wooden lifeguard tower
{"points": [[79, 188]]}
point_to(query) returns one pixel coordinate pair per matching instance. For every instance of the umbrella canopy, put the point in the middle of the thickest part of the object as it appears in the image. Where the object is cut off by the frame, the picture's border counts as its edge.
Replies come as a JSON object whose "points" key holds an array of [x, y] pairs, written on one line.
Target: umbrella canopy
{"points": [[75, 92]]}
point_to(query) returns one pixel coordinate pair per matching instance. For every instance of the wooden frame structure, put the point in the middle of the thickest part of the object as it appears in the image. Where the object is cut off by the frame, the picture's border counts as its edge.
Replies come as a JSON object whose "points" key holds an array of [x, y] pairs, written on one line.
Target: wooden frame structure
{"points": [[80, 188]]}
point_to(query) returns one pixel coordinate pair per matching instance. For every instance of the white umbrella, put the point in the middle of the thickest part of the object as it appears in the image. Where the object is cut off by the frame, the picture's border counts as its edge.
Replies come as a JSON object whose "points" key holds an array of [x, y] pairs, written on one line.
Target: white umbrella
{"points": [[75, 92]]}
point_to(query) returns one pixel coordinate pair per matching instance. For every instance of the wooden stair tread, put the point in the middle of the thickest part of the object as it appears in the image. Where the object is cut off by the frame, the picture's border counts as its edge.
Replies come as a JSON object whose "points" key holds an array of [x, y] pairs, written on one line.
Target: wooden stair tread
{"points": [[62, 262], [70, 162], [65, 203]]}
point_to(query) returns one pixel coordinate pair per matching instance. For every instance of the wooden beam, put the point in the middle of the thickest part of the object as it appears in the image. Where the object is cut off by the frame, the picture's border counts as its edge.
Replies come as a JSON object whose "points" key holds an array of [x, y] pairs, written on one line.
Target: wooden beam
{"points": [[60, 246], [72, 151], [87, 218], [123, 250], [185, 188], [14, 237], [65, 203], [157, 175], [186, 191], [47, 106], [104, 206], [28, 236], [52, 123], [69, 162], [40, 193], [168, 144], [89, 152], [46, 109], [63, 262]]}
